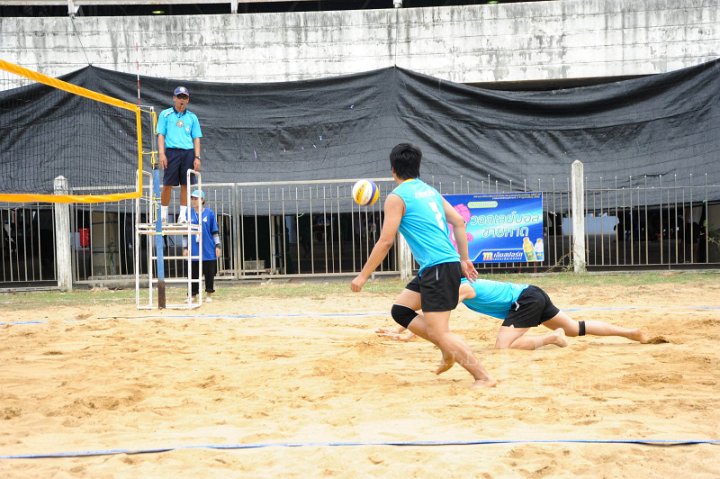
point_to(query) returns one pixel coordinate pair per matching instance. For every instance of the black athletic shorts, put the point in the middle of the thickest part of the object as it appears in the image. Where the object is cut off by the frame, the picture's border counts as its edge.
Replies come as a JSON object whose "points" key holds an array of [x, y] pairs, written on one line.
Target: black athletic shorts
{"points": [[532, 308], [438, 286], [178, 163]]}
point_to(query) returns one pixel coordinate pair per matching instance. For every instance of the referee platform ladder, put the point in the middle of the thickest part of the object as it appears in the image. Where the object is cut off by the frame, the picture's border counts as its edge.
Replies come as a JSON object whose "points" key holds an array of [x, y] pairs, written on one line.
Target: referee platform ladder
{"points": [[160, 251]]}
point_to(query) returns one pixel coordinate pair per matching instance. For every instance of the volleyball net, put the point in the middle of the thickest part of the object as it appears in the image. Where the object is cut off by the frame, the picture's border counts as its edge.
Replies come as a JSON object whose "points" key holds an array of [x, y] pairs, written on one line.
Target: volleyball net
{"points": [[51, 128]]}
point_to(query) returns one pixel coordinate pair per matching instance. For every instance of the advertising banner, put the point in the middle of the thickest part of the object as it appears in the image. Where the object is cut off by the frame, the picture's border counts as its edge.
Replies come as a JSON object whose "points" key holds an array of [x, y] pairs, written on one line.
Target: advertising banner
{"points": [[502, 227]]}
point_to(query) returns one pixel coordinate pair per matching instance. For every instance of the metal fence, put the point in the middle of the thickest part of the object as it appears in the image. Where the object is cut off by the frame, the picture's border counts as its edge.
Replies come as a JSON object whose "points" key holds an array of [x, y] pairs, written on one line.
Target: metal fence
{"points": [[27, 246], [302, 229], [282, 230]]}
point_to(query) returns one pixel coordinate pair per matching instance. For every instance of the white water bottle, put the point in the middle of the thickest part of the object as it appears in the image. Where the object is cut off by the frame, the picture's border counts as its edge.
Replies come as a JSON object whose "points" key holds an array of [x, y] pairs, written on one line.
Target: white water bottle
{"points": [[539, 250]]}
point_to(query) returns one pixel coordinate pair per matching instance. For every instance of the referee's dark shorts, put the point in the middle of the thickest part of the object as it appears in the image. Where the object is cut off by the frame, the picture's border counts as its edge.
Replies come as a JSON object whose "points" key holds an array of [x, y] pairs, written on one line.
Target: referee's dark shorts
{"points": [[178, 163]]}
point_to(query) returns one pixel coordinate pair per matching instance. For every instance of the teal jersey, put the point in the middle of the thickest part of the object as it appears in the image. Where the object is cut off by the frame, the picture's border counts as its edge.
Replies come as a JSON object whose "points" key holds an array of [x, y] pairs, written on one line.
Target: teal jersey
{"points": [[424, 225], [493, 298], [179, 129]]}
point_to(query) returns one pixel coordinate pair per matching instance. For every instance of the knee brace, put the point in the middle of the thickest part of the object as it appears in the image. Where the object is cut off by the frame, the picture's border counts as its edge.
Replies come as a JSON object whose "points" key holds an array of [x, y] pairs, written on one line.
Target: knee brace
{"points": [[402, 315], [581, 328]]}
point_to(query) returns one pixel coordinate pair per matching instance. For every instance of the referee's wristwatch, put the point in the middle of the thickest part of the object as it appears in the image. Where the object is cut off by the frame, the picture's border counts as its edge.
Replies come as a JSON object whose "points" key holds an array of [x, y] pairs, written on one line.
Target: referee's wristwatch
{"points": [[197, 157]]}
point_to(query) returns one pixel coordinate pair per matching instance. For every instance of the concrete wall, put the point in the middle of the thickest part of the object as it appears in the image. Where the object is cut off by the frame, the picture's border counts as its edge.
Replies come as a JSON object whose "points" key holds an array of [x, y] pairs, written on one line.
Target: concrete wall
{"points": [[479, 43]]}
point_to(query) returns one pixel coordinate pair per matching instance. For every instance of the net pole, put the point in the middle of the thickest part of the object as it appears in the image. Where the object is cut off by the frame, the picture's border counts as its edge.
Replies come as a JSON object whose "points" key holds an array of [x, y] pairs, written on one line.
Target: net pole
{"points": [[158, 216], [159, 239]]}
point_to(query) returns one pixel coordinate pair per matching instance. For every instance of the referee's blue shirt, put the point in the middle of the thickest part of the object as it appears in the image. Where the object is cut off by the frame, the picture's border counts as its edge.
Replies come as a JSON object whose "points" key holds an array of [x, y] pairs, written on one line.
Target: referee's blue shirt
{"points": [[179, 129]]}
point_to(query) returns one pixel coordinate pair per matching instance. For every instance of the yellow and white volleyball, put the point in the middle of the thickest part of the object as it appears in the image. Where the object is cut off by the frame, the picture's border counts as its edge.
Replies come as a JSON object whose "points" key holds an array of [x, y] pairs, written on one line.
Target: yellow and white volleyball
{"points": [[365, 192]]}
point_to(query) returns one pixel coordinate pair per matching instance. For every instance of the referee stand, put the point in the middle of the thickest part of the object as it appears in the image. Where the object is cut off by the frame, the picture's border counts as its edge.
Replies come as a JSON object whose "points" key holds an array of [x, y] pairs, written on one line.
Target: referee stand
{"points": [[153, 230]]}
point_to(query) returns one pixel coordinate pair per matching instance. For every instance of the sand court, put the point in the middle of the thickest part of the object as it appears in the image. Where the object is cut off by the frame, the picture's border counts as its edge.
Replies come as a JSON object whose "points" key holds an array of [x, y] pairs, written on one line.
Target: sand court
{"points": [[260, 383]]}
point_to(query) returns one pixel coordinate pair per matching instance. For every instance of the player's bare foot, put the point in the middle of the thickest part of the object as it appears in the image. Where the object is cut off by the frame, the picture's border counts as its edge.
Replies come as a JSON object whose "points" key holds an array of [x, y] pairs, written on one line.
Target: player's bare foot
{"points": [[446, 363], [559, 338], [484, 383], [640, 336]]}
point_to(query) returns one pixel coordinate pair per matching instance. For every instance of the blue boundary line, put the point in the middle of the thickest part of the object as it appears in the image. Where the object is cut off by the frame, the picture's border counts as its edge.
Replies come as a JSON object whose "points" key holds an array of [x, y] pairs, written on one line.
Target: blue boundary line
{"points": [[251, 316], [218, 316], [108, 452], [22, 322], [643, 308], [386, 313], [327, 315]]}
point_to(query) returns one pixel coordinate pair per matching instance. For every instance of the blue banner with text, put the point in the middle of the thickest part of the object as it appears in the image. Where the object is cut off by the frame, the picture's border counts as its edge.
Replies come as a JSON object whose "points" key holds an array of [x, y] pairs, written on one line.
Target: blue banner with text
{"points": [[502, 227]]}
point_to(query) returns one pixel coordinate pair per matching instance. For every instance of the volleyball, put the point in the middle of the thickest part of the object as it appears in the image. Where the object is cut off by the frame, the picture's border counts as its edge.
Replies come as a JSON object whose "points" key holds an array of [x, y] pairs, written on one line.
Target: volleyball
{"points": [[365, 192]]}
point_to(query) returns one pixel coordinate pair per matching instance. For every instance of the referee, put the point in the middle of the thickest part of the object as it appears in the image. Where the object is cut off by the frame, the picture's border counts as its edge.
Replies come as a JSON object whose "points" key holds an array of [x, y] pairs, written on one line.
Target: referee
{"points": [[179, 134]]}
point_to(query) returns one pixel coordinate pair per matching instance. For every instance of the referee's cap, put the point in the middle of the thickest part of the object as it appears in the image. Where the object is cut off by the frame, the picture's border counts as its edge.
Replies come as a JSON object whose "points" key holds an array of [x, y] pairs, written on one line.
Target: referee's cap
{"points": [[198, 194], [181, 90]]}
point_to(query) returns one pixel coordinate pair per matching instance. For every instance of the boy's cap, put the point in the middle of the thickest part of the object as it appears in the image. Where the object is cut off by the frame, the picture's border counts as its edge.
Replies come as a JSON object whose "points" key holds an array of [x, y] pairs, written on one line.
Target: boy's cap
{"points": [[198, 194], [181, 90]]}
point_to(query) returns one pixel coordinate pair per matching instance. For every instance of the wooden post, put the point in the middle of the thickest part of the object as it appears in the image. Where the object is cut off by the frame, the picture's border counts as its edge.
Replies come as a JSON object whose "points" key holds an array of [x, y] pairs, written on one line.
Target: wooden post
{"points": [[63, 256]]}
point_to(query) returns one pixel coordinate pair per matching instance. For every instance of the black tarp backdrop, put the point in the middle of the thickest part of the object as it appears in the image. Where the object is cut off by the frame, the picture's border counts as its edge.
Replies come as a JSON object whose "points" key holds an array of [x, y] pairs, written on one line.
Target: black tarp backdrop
{"points": [[344, 127]]}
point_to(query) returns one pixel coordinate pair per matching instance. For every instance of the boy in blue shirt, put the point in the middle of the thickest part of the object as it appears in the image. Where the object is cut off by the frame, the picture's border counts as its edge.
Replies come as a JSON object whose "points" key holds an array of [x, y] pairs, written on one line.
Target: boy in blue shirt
{"points": [[522, 307], [421, 214], [210, 243]]}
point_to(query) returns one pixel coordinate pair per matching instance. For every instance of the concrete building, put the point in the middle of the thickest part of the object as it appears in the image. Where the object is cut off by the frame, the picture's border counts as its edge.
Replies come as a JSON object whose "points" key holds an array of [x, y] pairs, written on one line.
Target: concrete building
{"points": [[551, 41]]}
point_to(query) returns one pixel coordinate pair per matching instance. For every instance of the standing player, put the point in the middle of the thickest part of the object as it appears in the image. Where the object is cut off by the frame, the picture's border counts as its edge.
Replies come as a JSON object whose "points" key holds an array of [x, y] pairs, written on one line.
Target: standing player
{"points": [[210, 242], [179, 134], [522, 307], [421, 214]]}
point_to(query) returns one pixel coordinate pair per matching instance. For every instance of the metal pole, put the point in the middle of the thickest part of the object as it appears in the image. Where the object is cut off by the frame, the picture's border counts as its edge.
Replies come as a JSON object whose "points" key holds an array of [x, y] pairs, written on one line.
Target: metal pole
{"points": [[406, 260], [62, 237], [159, 253], [578, 217]]}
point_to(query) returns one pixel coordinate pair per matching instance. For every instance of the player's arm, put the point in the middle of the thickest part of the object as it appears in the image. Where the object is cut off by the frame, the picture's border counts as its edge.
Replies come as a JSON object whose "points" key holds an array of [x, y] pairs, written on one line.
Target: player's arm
{"points": [[460, 232], [394, 210]]}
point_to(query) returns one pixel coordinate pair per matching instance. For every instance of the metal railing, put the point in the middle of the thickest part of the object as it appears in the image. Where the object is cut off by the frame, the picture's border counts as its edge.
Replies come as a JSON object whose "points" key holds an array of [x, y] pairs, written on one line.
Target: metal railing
{"points": [[304, 229]]}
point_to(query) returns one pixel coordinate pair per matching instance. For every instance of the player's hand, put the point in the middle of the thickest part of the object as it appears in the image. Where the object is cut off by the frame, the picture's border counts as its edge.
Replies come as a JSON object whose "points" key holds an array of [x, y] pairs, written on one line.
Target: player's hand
{"points": [[217, 252], [185, 252], [357, 284], [396, 335], [468, 269]]}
